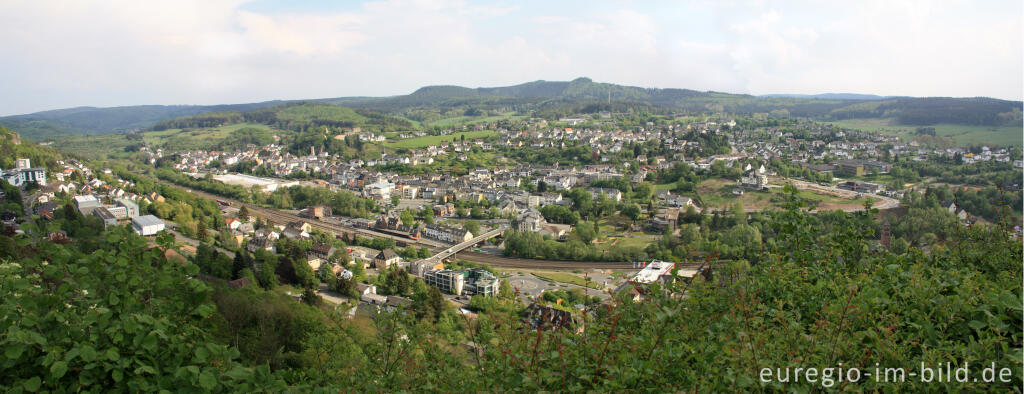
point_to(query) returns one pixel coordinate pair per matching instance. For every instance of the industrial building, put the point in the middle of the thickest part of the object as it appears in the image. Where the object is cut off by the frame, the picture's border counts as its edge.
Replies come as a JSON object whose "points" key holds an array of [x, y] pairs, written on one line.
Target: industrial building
{"points": [[131, 209], [147, 225], [86, 204], [106, 216]]}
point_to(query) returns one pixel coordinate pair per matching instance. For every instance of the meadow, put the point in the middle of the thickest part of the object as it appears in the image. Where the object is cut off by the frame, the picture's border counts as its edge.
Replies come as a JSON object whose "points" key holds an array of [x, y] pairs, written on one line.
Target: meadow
{"points": [[422, 142], [963, 135]]}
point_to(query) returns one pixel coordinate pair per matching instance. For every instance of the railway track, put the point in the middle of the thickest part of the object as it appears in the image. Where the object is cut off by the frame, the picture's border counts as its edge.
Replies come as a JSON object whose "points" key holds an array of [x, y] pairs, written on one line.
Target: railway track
{"points": [[497, 261]]}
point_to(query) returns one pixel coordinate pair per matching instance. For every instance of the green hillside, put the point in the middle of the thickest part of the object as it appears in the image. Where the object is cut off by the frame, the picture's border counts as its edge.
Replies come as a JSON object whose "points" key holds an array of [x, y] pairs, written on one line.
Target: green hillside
{"points": [[539, 98], [961, 135], [46, 125], [12, 146]]}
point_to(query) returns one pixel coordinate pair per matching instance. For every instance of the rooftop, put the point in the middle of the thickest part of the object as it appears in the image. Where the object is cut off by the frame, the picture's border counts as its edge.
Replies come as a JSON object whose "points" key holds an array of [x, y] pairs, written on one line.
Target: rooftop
{"points": [[148, 220], [654, 270]]}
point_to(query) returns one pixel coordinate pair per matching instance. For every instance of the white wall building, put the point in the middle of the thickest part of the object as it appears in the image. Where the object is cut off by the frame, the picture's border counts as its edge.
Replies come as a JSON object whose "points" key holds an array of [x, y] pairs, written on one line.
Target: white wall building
{"points": [[147, 225]]}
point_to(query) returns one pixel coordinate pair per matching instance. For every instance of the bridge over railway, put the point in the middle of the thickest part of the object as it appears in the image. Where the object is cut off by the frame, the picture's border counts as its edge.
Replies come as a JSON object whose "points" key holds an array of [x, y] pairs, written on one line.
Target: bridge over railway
{"points": [[444, 254]]}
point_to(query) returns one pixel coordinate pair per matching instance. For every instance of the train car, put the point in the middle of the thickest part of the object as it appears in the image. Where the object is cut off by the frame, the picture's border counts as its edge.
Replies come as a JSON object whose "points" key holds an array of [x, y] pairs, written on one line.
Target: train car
{"points": [[223, 203]]}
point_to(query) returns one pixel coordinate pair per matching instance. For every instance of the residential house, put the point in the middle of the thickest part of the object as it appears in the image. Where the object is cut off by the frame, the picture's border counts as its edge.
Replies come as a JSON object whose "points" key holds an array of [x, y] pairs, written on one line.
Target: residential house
{"points": [[385, 259]]}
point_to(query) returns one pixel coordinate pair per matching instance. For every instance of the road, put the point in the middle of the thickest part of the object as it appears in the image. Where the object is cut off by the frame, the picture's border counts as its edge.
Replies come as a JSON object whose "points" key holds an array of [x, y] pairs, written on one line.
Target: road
{"points": [[462, 246]]}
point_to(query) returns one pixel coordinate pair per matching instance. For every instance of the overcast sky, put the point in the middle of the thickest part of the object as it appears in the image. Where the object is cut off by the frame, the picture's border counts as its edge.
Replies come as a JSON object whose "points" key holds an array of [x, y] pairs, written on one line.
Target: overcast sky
{"points": [[57, 54]]}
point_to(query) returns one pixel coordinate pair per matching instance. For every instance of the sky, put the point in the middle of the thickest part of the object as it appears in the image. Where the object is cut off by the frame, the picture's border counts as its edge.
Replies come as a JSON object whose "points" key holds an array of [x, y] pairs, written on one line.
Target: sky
{"points": [[60, 54]]}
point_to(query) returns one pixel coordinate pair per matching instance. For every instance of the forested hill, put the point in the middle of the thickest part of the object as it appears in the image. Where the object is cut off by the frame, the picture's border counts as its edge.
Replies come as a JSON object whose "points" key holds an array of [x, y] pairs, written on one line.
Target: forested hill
{"points": [[556, 98], [91, 120], [301, 116]]}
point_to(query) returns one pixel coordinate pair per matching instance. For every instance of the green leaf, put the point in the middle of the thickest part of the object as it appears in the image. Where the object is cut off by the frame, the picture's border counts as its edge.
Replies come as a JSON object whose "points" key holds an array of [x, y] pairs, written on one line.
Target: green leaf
{"points": [[977, 325], [117, 375], [71, 354], [1011, 301], [113, 354], [239, 373], [33, 384], [88, 353], [207, 380], [145, 369], [14, 351], [150, 342], [58, 369], [201, 354], [204, 310]]}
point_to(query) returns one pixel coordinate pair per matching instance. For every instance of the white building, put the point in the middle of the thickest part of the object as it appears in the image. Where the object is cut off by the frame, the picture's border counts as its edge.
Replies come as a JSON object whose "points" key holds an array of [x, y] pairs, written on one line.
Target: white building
{"points": [[380, 189], [147, 225], [131, 209], [22, 173], [531, 221], [86, 204], [446, 233]]}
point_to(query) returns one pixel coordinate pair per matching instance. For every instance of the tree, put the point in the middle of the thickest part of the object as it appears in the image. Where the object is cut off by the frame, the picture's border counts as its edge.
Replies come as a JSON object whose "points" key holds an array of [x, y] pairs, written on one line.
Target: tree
{"points": [[689, 234], [304, 274], [472, 226], [505, 290], [586, 232], [738, 213], [900, 246], [395, 200], [286, 270], [243, 213], [631, 211], [407, 219], [436, 302], [477, 212], [346, 287], [397, 282], [311, 298], [201, 232], [358, 271], [428, 214], [266, 276]]}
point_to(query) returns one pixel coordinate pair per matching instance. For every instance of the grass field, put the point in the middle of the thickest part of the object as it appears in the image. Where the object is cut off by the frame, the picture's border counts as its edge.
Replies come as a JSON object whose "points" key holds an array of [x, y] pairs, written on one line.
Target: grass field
{"points": [[963, 135], [112, 145], [421, 142], [462, 120], [620, 242], [563, 277], [717, 193], [94, 146], [196, 138]]}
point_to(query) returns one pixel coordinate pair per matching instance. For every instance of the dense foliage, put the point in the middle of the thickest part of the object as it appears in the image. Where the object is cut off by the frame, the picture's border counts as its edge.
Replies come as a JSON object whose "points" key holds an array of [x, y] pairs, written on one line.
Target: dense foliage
{"points": [[126, 316]]}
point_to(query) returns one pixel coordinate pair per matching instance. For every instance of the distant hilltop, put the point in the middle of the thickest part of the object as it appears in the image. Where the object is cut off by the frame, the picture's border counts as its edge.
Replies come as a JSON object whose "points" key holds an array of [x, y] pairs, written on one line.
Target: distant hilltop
{"points": [[543, 99], [832, 96]]}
